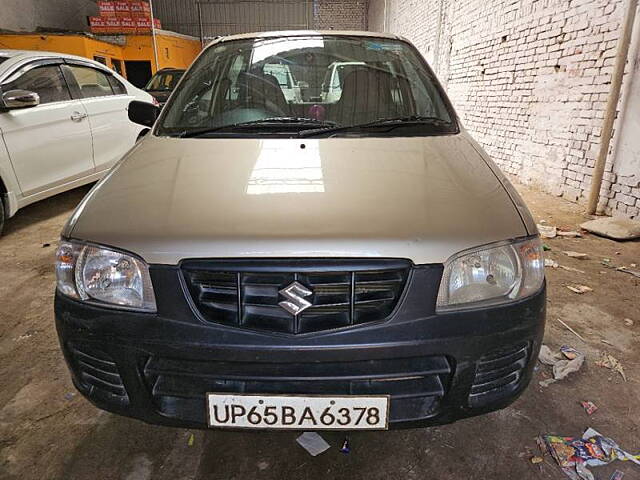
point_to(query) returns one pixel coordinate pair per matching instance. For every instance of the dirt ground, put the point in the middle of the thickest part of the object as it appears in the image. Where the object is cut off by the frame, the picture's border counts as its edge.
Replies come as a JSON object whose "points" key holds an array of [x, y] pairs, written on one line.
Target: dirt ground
{"points": [[48, 431]]}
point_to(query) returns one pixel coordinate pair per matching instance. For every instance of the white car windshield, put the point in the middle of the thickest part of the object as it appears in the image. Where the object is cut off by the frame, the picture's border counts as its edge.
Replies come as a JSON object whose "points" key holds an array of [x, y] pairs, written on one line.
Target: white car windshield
{"points": [[293, 84]]}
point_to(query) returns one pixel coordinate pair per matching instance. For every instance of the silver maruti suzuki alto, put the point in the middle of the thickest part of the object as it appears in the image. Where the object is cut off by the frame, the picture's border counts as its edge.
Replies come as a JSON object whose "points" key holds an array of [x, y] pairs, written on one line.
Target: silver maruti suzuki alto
{"points": [[345, 258]]}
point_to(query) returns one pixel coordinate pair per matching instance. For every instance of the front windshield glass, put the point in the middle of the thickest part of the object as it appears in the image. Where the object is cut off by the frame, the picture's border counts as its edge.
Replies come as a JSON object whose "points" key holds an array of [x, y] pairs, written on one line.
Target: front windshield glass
{"points": [[164, 81], [286, 85]]}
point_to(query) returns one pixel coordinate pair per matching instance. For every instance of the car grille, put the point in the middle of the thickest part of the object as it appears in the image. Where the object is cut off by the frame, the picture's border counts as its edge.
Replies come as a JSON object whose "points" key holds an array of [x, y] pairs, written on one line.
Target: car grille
{"points": [[179, 387], [98, 373], [247, 293], [498, 374]]}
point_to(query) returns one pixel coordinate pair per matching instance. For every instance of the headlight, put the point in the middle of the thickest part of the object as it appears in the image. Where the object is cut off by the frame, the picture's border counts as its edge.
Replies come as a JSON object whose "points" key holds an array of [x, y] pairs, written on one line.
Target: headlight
{"points": [[492, 275], [104, 277]]}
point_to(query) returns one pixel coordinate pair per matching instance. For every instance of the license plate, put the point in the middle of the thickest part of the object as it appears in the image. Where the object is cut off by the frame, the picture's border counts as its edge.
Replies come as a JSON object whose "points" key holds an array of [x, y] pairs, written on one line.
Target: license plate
{"points": [[292, 412]]}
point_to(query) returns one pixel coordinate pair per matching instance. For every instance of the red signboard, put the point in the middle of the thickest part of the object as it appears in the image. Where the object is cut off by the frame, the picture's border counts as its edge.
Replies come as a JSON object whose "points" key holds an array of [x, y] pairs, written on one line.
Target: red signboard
{"points": [[112, 25], [106, 9], [123, 17], [138, 9], [122, 9], [127, 25], [143, 25], [97, 24]]}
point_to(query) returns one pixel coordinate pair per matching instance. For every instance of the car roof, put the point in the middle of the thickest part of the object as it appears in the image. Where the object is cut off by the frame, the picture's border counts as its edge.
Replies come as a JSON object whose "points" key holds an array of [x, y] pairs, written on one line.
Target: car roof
{"points": [[26, 54], [12, 53], [305, 33], [16, 58]]}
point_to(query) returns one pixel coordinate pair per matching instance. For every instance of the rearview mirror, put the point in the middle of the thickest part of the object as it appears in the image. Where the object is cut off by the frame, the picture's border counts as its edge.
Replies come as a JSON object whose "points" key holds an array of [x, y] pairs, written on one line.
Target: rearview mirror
{"points": [[20, 99], [143, 113]]}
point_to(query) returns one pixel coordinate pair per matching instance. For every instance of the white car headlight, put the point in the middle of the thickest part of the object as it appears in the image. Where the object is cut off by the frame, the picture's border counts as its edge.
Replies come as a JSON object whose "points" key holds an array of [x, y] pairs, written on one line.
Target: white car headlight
{"points": [[104, 277], [491, 275]]}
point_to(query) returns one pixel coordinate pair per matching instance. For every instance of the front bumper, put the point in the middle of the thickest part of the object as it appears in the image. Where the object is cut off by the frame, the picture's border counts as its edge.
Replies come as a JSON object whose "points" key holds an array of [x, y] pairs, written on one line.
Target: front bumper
{"points": [[438, 368]]}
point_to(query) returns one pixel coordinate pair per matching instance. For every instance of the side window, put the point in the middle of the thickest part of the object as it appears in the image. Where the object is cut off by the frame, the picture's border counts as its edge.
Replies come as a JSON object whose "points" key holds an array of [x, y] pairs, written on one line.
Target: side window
{"points": [[92, 82], [117, 86], [47, 81]]}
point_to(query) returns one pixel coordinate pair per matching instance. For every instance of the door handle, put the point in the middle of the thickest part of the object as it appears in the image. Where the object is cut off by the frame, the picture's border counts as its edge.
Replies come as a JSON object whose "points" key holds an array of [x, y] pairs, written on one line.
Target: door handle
{"points": [[77, 116]]}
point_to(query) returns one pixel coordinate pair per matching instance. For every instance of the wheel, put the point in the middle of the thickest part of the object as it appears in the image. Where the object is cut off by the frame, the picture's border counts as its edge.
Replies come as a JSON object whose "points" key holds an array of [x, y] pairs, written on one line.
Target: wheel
{"points": [[1, 214]]}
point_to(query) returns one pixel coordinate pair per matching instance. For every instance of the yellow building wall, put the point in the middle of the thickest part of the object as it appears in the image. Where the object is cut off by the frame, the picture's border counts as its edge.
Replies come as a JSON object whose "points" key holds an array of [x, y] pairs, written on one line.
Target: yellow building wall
{"points": [[71, 44], [173, 51]]}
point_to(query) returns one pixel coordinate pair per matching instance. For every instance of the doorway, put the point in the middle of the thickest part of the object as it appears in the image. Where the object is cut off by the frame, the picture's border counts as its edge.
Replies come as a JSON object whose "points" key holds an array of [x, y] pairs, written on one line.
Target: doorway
{"points": [[138, 72]]}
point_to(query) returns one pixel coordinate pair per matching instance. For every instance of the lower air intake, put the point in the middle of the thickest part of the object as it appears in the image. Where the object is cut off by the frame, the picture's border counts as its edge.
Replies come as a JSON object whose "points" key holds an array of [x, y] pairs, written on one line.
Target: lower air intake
{"points": [[98, 373], [498, 375]]}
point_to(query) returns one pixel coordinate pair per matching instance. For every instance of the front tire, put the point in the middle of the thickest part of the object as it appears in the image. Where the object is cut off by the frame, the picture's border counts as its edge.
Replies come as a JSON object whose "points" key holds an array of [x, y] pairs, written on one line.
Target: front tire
{"points": [[1, 214]]}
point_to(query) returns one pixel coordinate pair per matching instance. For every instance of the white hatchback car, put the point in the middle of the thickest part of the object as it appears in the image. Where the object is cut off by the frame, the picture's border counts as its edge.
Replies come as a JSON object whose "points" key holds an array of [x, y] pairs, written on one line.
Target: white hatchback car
{"points": [[63, 122]]}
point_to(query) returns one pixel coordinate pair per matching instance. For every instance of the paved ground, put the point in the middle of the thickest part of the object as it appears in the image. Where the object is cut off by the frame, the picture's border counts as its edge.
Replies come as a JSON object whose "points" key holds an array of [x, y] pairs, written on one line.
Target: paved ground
{"points": [[49, 432]]}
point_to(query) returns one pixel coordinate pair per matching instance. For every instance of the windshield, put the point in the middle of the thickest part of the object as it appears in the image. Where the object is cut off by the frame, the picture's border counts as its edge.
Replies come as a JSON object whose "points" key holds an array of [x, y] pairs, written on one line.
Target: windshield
{"points": [[163, 81], [285, 85]]}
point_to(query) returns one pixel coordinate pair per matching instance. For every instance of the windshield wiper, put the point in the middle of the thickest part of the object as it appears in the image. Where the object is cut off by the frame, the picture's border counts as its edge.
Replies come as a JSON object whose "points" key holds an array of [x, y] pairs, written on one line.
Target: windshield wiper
{"points": [[381, 122], [262, 123]]}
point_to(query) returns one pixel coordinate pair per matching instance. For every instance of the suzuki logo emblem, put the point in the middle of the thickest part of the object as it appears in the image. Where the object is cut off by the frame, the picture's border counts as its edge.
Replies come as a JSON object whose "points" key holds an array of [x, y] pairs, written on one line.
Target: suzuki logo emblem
{"points": [[294, 295]]}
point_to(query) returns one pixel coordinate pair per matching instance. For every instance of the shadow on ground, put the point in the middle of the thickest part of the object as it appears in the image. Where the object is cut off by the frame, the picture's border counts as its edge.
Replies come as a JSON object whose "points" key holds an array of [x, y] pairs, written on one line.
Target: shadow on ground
{"points": [[44, 210]]}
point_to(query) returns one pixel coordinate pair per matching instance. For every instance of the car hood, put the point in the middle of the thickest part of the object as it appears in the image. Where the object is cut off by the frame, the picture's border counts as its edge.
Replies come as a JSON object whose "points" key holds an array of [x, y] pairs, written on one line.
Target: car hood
{"points": [[423, 198]]}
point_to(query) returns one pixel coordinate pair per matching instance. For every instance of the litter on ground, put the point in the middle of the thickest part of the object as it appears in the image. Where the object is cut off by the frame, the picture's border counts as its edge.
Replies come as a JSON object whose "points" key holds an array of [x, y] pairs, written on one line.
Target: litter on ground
{"points": [[572, 330], [575, 455], [572, 362], [607, 263], [612, 363], [549, 262], [578, 255], [547, 231], [589, 407], [571, 234], [635, 273], [313, 443], [571, 269], [579, 289], [346, 447]]}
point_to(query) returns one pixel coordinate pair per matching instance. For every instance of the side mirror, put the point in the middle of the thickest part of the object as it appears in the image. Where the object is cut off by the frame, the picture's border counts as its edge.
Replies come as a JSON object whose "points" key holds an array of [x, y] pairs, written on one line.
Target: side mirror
{"points": [[20, 99], [143, 113], [302, 84]]}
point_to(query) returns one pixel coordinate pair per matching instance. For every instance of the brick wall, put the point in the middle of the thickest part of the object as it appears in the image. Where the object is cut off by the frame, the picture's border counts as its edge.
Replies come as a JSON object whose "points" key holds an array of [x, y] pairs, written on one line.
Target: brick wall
{"points": [[340, 14], [530, 79]]}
